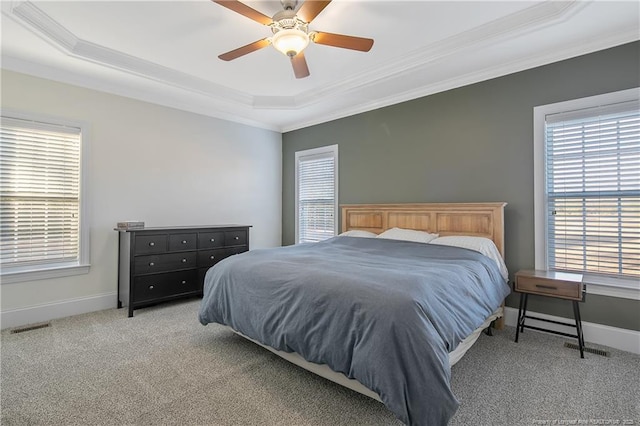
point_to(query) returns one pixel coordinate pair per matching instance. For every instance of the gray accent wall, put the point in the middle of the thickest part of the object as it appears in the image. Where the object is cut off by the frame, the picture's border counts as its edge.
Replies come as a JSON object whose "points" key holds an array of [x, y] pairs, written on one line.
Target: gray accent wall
{"points": [[469, 144]]}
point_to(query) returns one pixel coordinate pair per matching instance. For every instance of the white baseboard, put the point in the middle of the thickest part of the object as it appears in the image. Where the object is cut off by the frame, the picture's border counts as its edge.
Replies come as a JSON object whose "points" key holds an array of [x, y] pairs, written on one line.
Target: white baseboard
{"points": [[617, 338], [45, 312]]}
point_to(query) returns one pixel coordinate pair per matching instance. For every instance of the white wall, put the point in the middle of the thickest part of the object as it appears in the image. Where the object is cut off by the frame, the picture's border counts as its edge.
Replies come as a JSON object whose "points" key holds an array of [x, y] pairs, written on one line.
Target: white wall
{"points": [[146, 162]]}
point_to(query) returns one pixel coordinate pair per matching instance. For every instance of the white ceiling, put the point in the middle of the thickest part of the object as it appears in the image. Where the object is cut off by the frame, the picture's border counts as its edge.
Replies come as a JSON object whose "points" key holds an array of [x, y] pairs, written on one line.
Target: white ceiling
{"points": [[166, 51]]}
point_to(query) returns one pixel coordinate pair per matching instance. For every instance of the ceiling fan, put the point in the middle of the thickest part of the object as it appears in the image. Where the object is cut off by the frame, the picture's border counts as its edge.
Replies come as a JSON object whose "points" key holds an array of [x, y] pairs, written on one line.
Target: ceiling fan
{"points": [[291, 33]]}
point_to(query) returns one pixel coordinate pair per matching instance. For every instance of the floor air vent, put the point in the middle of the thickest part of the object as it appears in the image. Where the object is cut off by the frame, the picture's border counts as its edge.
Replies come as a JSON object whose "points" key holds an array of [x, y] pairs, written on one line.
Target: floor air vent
{"points": [[590, 350], [30, 327]]}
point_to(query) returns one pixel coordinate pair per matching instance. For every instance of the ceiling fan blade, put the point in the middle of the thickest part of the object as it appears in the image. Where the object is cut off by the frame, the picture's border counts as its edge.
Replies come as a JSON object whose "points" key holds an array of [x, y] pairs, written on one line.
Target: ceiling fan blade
{"points": [[343, 41], [245, 10], [311, 8], [241, 51], [300, 68]]}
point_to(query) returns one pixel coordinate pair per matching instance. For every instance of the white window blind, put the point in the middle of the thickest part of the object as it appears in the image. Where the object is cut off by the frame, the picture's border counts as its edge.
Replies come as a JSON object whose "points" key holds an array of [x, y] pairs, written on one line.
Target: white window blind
{"points": [[316, 181], [592, 167], [40, 194]]}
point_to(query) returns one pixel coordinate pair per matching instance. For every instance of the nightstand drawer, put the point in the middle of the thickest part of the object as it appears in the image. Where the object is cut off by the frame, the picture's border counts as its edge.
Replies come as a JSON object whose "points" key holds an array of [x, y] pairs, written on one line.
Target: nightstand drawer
{"points": [[549, 287]]}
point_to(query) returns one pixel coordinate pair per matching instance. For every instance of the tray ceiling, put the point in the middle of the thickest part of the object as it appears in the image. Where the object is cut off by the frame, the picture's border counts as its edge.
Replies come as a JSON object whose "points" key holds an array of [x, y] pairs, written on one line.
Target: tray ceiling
{"points": [[165, 52]]}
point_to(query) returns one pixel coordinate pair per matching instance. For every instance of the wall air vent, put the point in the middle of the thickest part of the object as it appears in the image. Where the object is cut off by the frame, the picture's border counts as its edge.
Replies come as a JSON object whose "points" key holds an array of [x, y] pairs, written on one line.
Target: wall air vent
{"points": [[30, 327], [590, 350]]}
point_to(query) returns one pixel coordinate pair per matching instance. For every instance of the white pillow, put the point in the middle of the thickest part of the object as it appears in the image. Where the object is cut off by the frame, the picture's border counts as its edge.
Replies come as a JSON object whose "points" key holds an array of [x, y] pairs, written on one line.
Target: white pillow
{"points": [[358, 233], [479, 244], [407, 235]]}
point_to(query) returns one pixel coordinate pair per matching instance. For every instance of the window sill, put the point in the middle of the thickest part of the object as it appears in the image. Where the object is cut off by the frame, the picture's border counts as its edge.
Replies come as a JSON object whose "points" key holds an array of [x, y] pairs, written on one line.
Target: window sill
{"points": [[43, 274], [612, 291]]}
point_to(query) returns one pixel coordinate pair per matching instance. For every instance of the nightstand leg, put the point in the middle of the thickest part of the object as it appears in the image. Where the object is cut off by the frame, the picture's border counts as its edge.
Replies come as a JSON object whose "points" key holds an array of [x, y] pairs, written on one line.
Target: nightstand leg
{"points": [[576, 315], [520, 318], [524, 311], [580, 322]]}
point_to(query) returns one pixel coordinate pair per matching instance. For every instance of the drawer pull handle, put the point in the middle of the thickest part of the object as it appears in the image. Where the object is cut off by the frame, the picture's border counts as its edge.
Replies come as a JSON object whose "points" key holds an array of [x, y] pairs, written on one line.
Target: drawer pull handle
{"points": [[184, 260], [151, 244], [213, 240], [184, 282], [150, 287], [212, 257], [151, 264], [236, 238], [184, 241], [548, 287]]}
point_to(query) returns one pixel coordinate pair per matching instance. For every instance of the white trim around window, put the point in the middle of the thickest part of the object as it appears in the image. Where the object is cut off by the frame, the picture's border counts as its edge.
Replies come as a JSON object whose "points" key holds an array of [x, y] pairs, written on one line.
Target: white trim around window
{"points": [[316, 190], [39, 270], [603, 285]]}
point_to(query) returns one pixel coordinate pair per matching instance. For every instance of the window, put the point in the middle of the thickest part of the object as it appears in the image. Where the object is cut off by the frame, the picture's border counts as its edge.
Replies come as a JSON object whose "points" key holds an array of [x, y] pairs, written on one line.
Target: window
{"points": [[316, 194], [588, 197], [41, 202]]}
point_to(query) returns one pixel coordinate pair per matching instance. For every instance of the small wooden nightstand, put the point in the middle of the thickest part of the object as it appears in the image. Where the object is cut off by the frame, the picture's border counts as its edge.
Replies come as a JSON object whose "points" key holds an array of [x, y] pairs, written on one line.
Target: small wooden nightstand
{"points": [[551, 284]]}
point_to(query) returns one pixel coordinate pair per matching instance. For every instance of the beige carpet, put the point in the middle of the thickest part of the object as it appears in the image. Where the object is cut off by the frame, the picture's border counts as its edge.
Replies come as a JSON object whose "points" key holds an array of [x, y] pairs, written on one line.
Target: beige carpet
{"points": [[162, 367]]}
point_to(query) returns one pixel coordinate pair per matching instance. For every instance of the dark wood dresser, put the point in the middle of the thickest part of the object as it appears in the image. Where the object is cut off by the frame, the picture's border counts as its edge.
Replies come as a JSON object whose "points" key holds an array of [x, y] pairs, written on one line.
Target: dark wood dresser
{"points": [[161, 264]]}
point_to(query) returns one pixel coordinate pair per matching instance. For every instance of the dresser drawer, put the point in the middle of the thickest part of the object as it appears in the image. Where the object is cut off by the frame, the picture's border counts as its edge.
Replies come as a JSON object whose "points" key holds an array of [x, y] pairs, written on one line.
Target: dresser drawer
{"points": [[151, 287], [208, 240], [235, 238], [237, 250], [146, 244], [549, 287], [207, 258], [179, 242], [164, 262]]}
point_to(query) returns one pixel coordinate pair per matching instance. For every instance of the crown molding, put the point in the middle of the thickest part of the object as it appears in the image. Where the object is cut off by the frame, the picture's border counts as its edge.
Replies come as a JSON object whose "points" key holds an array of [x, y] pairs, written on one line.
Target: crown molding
{"points": [[543, 14], [39, 23], [570, 51], [507, 27], [190, 93], [210, 108]]}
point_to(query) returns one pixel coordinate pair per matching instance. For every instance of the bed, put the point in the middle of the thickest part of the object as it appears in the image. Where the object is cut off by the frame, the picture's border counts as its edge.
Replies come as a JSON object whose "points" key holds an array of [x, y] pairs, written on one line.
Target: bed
{"points": [[384, 317]]}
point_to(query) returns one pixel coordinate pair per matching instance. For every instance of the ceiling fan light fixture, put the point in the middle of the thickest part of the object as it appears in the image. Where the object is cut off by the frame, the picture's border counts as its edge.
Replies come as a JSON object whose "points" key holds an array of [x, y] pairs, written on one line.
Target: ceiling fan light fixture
{"points": [[290, 41]]}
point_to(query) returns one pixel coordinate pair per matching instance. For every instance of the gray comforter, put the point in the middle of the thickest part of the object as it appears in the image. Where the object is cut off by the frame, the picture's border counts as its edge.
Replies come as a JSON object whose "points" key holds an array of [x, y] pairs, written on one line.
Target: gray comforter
{"points": [[383, 312]]}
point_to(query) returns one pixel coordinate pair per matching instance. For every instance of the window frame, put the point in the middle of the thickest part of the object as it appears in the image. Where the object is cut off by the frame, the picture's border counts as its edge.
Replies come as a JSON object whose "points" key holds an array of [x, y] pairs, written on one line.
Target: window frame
{"points": [[300, 155], [48, 270], [608, 286]]}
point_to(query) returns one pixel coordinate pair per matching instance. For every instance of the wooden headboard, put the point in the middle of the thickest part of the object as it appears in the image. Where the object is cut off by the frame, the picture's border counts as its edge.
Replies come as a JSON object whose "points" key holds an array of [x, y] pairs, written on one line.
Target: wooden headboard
{"points": [[475, 219]]}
